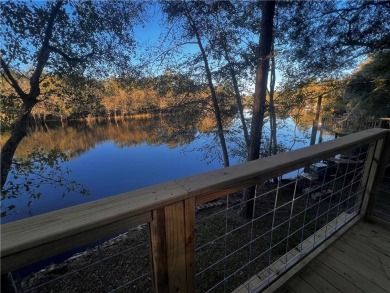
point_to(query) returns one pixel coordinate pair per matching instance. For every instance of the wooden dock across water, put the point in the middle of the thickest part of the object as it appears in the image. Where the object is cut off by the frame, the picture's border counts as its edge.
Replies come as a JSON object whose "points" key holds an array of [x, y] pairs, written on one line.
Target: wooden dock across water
{"points": [[359, 261]]}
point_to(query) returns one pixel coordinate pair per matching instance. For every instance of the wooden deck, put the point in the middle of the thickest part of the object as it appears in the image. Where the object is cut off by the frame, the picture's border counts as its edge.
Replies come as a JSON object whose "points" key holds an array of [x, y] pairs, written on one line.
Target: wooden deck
{"points": [[359, 261]]}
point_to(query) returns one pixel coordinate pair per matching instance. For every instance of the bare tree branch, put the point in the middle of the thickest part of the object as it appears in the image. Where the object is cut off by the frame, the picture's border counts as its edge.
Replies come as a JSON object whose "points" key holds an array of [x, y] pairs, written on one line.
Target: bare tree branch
{"points": [[44, 77], [11, 80], [350, 9], [67, 57], [165, 53], [44, 52], [380, 45]]}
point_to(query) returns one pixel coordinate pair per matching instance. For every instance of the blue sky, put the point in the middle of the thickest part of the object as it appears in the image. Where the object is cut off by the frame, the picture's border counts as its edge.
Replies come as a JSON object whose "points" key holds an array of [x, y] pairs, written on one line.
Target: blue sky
{"points": [[148, 36], [149, 33]]}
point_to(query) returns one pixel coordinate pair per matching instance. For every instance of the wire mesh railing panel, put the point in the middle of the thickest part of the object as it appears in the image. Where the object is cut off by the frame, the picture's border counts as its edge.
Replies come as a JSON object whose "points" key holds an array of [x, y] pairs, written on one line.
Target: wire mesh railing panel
{"points": [[245, 241], [120, 263]]}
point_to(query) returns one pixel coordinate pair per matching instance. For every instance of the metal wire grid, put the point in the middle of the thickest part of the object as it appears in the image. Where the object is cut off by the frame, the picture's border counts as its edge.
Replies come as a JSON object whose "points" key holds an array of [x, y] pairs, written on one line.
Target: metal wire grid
{"points": [[120, 264], [289, 219]]}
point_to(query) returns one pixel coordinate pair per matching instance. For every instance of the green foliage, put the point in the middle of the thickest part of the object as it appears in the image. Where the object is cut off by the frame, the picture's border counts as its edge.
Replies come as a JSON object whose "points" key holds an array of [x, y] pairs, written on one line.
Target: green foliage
{"points": [[226, 30], [37, 169], [86, 35], [368, 90], [78, 97], [9, 104], [175, 85], [296, 99], [321, 39], [7, 113]]}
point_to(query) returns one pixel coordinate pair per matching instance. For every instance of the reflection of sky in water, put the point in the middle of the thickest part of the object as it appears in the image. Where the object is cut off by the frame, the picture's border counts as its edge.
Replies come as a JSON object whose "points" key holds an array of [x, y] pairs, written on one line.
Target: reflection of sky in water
{"points": [[108, 169]]}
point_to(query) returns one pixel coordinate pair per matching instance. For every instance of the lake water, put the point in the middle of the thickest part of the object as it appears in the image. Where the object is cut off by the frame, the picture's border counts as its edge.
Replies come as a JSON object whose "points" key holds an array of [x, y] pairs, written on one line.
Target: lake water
{"points": [[109, 158]]}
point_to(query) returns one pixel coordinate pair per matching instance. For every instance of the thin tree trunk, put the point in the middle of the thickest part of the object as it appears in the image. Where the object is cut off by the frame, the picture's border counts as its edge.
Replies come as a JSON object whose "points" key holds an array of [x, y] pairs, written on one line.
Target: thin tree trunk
{"points": [[214, 99], [315, 122], [272, 113], [265, 41], [238, 99]]}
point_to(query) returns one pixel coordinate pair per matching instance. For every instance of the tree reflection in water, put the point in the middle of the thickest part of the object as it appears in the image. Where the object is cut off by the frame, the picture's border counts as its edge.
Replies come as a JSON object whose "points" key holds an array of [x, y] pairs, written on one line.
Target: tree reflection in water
{"points": [[111, 157]]}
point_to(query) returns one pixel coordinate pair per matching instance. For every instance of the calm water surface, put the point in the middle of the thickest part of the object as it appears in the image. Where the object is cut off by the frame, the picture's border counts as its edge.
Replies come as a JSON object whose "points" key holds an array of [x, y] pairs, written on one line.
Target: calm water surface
{"points": [[111, 158]]}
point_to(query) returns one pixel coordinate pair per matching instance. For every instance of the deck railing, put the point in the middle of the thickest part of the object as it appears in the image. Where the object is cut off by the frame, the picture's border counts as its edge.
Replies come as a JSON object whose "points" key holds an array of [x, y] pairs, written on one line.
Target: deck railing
{"points": [[191, 234], [345, 125]]}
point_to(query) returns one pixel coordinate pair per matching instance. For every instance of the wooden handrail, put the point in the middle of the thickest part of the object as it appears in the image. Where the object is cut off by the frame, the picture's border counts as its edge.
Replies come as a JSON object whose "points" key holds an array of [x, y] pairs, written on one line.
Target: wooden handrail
{"points": [[346, 125], [29, 240]]}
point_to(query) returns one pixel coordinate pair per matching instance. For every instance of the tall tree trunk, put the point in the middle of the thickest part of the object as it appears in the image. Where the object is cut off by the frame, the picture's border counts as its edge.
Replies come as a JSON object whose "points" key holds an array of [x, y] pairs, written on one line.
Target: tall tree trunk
{"points": [[265, 40], [315, 122], [261, 79], [214, 99], [238, 98], [272, 113], [18, 132]]}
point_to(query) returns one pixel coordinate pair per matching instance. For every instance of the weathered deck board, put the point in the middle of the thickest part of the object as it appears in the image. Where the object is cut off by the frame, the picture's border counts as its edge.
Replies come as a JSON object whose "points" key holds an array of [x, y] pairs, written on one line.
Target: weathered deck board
{"points": [[300, 285], [375, 258], [314, 279], [338, 281], [357, 262], [352, 274], [368, 250]]}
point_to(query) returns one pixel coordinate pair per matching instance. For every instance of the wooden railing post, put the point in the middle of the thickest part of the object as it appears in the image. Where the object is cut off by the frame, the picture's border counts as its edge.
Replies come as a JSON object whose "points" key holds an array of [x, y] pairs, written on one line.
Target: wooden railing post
{"points": [[377, 160], [172, 247]]}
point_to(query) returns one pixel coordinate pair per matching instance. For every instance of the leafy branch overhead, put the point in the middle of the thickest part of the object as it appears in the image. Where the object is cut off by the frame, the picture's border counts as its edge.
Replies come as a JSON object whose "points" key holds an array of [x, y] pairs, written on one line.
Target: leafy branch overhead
{"points": [[368, 90], [323, 38], [63, 36]]}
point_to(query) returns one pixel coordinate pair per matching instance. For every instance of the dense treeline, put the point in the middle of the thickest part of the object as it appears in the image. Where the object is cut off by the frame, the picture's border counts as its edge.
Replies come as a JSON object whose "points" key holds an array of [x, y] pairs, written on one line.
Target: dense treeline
{"points": [[114, 98], [362, 93]]}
